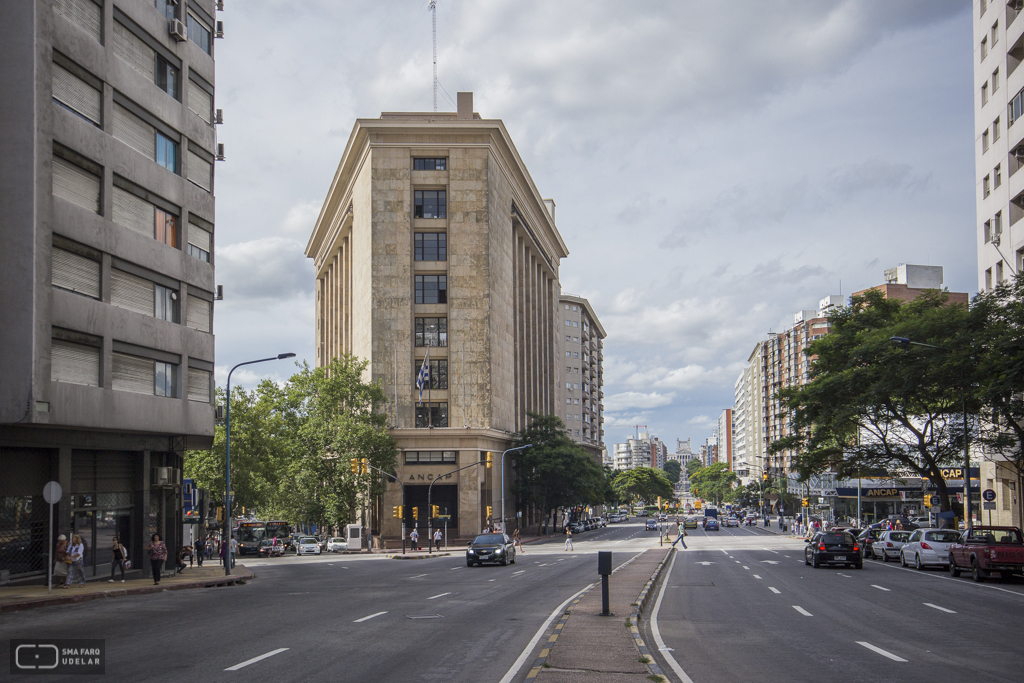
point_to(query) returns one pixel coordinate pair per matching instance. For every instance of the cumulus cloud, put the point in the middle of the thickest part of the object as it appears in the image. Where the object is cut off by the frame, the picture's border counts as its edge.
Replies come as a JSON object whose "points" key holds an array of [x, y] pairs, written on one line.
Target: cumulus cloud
{"points": [[267, 268], [636, 399]]}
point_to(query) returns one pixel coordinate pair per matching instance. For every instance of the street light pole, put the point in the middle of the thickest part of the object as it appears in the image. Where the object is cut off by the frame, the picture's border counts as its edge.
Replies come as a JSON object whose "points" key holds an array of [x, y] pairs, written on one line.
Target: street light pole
{"points": [[517, 448], [905, 342], [226, 536]]}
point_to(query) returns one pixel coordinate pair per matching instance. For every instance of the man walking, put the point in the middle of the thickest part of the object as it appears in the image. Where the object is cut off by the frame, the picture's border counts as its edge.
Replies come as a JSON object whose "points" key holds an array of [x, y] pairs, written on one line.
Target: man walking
{"points": [[437, 539], [414, 537], [679, 538]]}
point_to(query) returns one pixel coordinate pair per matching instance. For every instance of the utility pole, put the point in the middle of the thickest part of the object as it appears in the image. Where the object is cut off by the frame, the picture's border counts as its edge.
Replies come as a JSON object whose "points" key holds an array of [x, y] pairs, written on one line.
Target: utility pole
{"points": [[433, 21]]}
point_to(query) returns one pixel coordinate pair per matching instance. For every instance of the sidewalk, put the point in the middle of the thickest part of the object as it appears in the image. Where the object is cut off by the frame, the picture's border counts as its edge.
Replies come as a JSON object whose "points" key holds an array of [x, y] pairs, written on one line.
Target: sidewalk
{"points": [[595, 649], [208, 576]]}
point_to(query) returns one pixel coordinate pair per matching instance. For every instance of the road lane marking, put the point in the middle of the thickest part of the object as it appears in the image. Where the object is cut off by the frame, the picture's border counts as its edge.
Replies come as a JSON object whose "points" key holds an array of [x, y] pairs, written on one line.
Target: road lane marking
{"points": [[958, 582], [440, 595], [775, 590], [746, 567], [802, 611], [880, 588], [418, 576], [736, 561], [666, 651], [369, 617], [525, 654], [518, 572], [454, 568], [247, 662], [756, 576], [769, 562], [880, 651], [941, 609], [704, 563], [846, 575], [543, 565]]}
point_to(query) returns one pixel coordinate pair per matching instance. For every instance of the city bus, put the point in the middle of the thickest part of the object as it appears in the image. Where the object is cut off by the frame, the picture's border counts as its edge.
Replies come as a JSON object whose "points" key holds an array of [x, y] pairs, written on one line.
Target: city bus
{"points": [[280, 530], [249, 535]]}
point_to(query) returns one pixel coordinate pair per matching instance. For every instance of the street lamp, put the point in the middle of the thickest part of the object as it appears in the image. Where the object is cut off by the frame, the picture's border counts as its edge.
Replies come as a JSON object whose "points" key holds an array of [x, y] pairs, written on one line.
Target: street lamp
{"points": [[226, 536], [905, 342], [517, 448]]}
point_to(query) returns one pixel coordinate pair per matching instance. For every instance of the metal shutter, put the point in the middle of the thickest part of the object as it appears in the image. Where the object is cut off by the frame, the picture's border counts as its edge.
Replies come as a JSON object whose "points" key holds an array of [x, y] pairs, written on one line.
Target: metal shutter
{"points": [[84, 14], [74, 363], [73, 92], [133, 212], [200, 102], [75, 273], [199, 237], [136, 53], [135, 374], [76, 185], [198, 385], [197, 314], [131, 292], [134, 132], [200, 171]]}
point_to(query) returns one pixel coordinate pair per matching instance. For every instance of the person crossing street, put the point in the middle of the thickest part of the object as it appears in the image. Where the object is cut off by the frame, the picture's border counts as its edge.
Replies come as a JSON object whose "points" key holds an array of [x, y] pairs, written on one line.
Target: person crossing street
{"points": [[679, 538], [568, 539]]}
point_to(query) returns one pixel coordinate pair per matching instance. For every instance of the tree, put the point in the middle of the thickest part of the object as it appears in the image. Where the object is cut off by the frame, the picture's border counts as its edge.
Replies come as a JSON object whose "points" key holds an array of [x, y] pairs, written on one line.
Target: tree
{"points": [[714, 482], [555, 472], [871, 406], [673, 470], [692, 466], [645, 483]]}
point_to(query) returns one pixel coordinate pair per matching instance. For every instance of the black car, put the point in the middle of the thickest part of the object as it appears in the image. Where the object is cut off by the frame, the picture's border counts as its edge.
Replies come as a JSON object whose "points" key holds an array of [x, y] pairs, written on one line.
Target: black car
{"points": [[833, 547], [866, 539], [496, 548]]}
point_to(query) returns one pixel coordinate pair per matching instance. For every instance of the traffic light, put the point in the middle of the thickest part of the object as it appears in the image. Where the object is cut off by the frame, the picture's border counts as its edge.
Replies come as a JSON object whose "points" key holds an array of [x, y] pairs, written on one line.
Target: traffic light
{"points": [[435, 511], [416, 513], [355, 465], [764, 477], [488, 511], [805, 502], [397, 512], [489, 459], [365, 466]]}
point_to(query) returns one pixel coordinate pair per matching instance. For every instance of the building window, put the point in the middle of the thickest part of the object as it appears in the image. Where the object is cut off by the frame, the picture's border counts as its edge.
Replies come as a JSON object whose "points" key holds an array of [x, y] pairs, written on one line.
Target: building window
{"points": [[997, 224], [166, 304], [988, 279], [431, 246], [576, 339], [75, 184], [568, 401], [199, 242], [999, 273], [438, 378], [984, 141], [167, 8], [568, 337], [167, 77], [995, 33], [575, 308], [75, 273], [144, 375], [995, 80], [75, 362], [984, 48], [431, 204], [431, 332], [166, 383], [997, 176], [199, 33], [575, 354], [1014, 108], [575, 323], [166, 152], [988, 231], [432, 415], [429, 164], [431, 289], [995, 130], [76, 95], [166, 228], [984, 94], [429, 456], [143, 58], [568, 385], [985, 189]]}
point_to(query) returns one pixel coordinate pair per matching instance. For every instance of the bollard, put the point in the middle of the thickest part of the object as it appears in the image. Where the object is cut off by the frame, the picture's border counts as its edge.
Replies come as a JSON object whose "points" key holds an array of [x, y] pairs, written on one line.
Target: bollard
{"points": [[604, 568]]}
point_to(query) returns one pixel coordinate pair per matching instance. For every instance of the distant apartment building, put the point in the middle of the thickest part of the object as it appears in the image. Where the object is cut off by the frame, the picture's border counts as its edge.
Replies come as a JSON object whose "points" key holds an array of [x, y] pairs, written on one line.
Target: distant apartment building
{"points": [[724, 436], [907, 282], [999, 141], [659, 453], [582, 347], [748, 444], [709, 451], [643, 450], [106, 270]]}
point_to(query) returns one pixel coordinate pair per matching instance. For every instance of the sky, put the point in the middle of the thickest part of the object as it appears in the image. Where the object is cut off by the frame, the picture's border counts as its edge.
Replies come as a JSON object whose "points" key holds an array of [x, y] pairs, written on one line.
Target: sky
{"points": [[716, 166]]}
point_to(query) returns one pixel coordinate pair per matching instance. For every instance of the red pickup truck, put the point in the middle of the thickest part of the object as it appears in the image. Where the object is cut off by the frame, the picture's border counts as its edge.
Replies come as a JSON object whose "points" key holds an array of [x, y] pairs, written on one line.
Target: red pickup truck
{"points": [[985, 551]]}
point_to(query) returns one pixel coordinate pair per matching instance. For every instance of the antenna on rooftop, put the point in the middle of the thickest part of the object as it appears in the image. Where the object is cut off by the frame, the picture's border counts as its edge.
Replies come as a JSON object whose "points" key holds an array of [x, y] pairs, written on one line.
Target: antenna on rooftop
{"points": [[433, 21]]}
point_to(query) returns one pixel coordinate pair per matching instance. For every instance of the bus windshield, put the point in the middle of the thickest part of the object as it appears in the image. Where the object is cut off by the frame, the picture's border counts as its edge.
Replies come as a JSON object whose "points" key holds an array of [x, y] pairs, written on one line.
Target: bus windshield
{"points": [[279, 529], [251, 532]]}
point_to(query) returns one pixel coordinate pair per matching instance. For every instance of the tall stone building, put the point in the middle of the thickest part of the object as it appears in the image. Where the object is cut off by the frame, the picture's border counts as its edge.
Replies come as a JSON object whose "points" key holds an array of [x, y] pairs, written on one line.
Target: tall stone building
{"points": [[106, 269], [434, 241], [583, 389]]}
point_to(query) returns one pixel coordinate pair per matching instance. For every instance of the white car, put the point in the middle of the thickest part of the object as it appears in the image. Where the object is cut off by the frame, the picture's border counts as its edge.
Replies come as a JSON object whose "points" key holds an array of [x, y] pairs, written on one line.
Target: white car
{"points": [[336, 544], [887, 546], [307, 546], [928, 547]]}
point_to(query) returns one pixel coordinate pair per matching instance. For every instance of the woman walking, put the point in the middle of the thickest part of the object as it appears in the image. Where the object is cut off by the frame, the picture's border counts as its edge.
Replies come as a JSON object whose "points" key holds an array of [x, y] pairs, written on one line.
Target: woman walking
{"points": [[568, 539], [120, 555], [61, 558], [157, 555], [517, 542], [77, 567]]}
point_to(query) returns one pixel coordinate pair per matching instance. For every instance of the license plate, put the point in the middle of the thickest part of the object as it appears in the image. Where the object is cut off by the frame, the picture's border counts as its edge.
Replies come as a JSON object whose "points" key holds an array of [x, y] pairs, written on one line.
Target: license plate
{"points": [[840, 557]]}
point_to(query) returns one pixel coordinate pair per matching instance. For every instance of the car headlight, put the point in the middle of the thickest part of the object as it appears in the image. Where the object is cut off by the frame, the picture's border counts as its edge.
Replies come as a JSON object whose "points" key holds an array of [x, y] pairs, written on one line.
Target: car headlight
{"points": [[499, 550], [471, 552]]}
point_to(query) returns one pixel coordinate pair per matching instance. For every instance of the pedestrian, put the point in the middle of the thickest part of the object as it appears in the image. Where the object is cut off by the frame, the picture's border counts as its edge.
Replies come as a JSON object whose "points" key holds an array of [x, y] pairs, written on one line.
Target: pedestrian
{"points": [[61, 559], [76, 553], [568, 539], [200, 550], [899, 525], [223, 554], [234, 550], [210, 540], [157, 555], [516, 541], [438, 537], [679, 538], [179, 559], [414, 538], [120, 554]]}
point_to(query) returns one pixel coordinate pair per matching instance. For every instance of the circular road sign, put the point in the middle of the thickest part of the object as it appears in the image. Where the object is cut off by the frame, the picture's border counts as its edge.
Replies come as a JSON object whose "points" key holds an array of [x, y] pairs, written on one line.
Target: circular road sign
{"points": [[52, 492], [989, 495], [935, 500]]}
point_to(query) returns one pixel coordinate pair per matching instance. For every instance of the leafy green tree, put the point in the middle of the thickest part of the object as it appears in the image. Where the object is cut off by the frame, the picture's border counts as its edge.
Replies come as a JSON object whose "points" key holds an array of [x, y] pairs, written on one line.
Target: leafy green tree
{"points": [[692, 466], [644, 483], [871, 406], [714, 482], [673, 470]]}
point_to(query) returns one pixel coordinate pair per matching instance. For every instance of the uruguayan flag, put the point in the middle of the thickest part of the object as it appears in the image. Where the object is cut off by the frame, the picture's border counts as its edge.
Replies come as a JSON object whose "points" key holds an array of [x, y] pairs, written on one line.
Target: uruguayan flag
{"points": [[423, 379]]}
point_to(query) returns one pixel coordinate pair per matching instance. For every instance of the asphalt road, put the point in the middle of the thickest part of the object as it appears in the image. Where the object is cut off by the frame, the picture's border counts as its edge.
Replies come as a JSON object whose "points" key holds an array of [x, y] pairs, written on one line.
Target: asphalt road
{"points": [[341, 618], [741, 608]]}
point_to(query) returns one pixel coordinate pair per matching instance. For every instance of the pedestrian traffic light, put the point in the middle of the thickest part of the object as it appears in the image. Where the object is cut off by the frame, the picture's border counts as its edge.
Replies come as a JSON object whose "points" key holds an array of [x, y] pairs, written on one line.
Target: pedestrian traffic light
{"points": [[365, 466], [489, 459], [435, 511], [416, 513], [488, 512], [355, 465], [397, 512]]}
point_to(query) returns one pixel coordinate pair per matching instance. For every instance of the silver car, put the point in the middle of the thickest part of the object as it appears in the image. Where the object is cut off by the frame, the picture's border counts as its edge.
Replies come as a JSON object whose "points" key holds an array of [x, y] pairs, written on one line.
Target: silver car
{"points": [[928, 548], [887, 546], [307, 546]]}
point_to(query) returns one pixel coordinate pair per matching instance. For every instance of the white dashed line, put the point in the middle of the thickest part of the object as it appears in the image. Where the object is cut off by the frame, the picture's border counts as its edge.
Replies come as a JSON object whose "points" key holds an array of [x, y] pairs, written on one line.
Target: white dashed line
{"points": [[802, 611], [756, 576], [941, 609], [775, 590], [247, 662], [880, 588], [746, 567], [440, 595], [369, 617], [418, 576], [880, 651]]}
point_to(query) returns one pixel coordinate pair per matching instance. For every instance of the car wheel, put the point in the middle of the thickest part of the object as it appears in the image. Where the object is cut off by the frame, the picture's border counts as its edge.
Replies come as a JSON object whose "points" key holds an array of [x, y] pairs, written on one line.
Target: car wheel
{"points": [[859, 565], [953, 571], [806, 560], [903, 559], [468, 563], [1007, 576], [885, 556], [977, 574], [815, 563], [917, 562]]}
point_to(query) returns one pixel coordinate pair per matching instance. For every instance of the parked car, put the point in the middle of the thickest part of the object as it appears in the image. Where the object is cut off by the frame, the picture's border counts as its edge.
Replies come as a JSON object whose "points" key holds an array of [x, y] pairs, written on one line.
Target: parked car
{"points": [[496, 548], [307, 545], [336, 544], [887, 546], [928, 548], [833, 547], [986, 551], [866, 539], [710, 524]]}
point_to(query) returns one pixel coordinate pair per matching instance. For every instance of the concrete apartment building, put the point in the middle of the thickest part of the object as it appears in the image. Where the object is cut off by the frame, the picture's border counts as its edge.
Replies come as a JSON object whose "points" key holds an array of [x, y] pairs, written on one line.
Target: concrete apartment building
{"points": [[642, 450], [582, 347], [748, 442], [999, 142], [106, 270], [724, 436], [433, 239]]}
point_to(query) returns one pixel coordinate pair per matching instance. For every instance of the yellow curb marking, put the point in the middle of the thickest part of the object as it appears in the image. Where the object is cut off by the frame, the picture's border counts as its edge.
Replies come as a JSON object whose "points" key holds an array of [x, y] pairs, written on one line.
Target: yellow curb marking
{"points": [[533, 672], [553, 638]]}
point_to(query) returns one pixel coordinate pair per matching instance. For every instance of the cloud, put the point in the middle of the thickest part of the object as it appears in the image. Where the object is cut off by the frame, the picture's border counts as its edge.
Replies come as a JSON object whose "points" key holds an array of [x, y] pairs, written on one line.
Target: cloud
{"points": [[635, 399], [267, 268]]}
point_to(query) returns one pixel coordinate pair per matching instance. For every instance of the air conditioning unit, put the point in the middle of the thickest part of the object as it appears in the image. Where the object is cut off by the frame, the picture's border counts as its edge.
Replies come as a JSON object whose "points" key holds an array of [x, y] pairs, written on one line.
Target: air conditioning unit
{"points": [[165, 477], [218, 116], [177, 30], [220, 151], [220, 30], [220, 5], [220, 293]]}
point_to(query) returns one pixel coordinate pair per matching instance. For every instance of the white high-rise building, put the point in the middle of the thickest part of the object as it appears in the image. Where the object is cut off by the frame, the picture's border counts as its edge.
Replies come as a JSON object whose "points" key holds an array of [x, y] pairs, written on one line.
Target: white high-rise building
{"points": [[999, 142]]}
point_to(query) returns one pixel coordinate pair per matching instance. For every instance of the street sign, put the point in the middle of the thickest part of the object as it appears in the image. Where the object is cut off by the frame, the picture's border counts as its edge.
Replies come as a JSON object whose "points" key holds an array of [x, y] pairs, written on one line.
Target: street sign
{"points": [[935, 501], [988, 506], [989, 495], [52, 492], [444, 517]]}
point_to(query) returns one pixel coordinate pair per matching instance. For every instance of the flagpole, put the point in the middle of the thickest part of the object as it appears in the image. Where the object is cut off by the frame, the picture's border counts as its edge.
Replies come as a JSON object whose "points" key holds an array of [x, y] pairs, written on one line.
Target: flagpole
{"points": [[430, 385]]}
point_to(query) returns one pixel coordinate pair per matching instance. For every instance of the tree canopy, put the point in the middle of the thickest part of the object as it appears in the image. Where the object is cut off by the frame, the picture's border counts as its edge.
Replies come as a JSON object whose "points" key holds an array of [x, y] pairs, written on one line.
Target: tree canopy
{"points": [[714, 482], [692, 466], [644, 483], [673, 470]]}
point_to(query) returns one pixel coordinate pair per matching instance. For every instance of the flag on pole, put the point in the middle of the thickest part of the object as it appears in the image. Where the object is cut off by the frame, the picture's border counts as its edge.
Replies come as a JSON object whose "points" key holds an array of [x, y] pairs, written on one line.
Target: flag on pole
{"points": [[423, 378]]}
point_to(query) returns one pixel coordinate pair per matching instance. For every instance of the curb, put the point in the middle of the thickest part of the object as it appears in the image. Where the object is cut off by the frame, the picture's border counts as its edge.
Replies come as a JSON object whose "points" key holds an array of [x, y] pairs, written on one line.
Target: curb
{"points": [[122, 592], [634, 628], [641, 601], [553, 633], [419, 557]]}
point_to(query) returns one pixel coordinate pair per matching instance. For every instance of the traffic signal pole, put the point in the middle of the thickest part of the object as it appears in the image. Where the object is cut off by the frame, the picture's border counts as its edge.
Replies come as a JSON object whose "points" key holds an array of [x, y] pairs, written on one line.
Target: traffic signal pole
{"points": [[392, 476]]}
